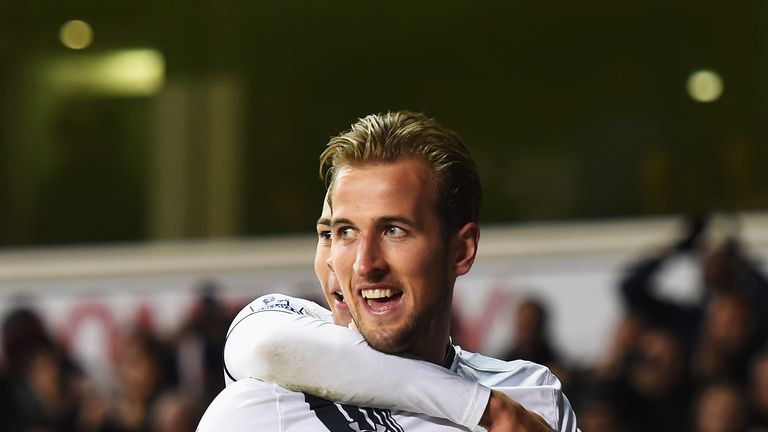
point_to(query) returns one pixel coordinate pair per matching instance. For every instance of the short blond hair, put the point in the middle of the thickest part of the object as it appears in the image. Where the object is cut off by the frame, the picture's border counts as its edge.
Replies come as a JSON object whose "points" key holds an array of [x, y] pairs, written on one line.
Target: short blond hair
{"points": [[402, 135]]}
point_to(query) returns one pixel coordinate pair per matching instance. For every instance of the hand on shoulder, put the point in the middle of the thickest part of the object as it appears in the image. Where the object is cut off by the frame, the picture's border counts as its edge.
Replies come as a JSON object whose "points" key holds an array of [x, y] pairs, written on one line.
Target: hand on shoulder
{"points": [[505, 415]]}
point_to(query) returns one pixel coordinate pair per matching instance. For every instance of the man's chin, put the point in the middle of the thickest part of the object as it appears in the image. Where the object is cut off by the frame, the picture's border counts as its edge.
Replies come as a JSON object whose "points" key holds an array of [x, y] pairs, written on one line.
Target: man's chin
{"points": [[390, 342], [341, 318]]}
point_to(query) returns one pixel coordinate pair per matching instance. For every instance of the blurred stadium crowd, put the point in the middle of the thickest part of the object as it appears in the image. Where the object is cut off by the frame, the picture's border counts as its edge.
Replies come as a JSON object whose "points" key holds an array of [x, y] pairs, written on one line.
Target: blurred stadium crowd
{"points": [[157, 384], [671, 366]]}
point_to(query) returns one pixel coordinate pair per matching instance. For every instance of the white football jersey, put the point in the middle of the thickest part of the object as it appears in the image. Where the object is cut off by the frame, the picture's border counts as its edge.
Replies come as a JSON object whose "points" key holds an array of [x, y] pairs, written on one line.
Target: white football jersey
{"points": [[250, 405], [293, 343]]}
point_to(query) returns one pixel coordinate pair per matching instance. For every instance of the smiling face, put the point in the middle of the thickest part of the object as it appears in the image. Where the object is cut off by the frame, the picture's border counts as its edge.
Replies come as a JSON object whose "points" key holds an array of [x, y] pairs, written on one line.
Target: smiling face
{"points": [[395, 265], [328, 281]]}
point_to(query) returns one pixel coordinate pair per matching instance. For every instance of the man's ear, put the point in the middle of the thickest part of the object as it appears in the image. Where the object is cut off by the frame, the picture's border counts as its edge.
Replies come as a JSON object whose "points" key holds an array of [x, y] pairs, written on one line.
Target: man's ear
{"points": [[468, 238]]}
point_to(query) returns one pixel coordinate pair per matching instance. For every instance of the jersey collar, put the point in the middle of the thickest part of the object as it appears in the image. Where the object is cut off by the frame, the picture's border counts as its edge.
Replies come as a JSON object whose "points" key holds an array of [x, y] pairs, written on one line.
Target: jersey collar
{"points": [[450, 355]]}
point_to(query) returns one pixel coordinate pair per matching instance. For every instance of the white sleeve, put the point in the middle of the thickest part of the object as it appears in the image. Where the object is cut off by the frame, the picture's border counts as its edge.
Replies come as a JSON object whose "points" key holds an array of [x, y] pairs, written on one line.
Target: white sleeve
{"points": [[279, 344], [234, 370]]}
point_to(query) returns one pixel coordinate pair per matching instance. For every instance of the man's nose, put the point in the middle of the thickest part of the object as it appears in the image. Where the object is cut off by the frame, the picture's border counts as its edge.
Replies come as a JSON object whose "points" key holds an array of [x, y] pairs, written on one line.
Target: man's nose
{"points": [[370, 263]]}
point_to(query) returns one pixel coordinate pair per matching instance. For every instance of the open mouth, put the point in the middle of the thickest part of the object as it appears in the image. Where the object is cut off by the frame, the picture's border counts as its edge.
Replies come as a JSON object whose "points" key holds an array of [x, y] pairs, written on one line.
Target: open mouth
{"points": [[381, 299], [339, 296]]}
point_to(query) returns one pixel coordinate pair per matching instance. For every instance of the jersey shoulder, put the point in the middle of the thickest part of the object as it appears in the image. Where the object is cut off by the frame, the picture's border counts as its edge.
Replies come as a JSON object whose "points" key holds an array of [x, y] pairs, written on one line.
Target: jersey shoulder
{"points": [[531, 384], [492, 372], [282, 303]]}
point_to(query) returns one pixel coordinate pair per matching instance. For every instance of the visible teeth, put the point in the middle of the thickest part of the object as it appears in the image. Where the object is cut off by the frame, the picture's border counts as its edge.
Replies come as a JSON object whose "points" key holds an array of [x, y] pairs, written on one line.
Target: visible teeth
{"points": [[376, 293]]}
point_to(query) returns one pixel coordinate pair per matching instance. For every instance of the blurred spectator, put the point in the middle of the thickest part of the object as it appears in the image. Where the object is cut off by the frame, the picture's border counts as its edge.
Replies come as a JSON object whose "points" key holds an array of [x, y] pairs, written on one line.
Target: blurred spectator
{"points": [[532, 341], [54, 391], [531, 334], [727, 342], [597, 411], [720, 408], [141, 378], [200, 344], [625, 339], [40, 388], [758, 391], [654, 392], [176, 412]]}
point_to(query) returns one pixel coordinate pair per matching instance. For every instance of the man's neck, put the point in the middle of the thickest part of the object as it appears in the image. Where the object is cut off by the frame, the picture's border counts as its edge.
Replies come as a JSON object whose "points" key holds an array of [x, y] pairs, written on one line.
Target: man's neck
{"points": [[433, 350]]}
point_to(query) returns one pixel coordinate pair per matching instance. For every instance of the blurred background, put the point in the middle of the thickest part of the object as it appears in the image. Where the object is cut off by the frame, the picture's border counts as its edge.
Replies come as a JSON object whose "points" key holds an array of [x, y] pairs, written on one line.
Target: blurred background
{"points": [[158, 170]]}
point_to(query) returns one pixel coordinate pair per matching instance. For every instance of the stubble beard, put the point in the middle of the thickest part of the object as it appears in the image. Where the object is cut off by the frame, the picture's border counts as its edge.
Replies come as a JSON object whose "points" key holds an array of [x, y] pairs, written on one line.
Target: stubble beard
{"points": [[406, 337]]}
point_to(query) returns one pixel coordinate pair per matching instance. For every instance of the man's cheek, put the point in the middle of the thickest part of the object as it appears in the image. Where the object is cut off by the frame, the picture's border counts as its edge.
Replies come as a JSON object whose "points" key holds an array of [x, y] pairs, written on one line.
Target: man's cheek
{"points": [[342, 266]]}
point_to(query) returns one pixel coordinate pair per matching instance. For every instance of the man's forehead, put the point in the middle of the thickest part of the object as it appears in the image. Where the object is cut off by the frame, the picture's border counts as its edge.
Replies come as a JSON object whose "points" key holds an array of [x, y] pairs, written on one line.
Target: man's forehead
{"points": [[393, 190], [326, 213]]}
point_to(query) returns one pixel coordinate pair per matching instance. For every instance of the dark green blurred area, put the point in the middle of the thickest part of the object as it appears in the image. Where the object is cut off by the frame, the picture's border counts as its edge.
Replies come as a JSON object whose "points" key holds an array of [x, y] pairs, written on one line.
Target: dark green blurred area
{"points": [[573, 110]]}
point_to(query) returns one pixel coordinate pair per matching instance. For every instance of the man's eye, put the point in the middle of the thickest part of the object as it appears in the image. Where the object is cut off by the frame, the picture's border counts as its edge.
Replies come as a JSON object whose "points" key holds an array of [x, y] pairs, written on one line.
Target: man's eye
{"points": [[324, 235], [394, 231], [344, 232]]}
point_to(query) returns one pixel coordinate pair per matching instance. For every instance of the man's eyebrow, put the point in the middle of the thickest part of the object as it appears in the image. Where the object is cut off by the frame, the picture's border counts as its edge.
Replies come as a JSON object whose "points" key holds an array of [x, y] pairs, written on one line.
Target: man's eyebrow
{"points": [[384, 220], [341, 221], [398, 219], [324, 221]]}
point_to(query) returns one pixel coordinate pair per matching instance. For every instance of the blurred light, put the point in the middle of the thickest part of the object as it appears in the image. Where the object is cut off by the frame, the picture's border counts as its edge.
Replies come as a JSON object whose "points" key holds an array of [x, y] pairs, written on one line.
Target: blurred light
{"points": [[76, 34], [137, 72], [705, 86], [141, 71]]}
